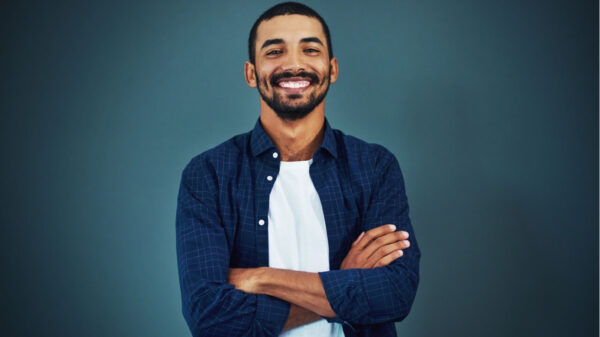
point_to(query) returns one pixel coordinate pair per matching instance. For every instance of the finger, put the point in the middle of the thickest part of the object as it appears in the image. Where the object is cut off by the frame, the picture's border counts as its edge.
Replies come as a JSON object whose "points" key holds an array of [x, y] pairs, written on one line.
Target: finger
{"points": [[381, 241], [386, 250], [386, 260], [358, 239], [375, 233]]}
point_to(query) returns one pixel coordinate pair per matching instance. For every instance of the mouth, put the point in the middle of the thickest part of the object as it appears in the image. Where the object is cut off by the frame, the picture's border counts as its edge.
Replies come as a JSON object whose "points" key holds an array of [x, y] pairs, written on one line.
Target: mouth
{"points": [[294, 85]]}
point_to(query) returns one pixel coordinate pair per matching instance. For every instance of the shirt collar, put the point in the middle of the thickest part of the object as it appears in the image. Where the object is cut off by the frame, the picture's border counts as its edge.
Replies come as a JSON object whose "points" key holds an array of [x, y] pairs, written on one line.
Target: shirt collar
{"points": [[261, 142]]}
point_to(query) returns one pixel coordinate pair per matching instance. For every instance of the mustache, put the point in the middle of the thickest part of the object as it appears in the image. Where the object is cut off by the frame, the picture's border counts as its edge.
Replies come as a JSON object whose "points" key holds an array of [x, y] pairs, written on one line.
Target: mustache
{"points": [[288, 74]]}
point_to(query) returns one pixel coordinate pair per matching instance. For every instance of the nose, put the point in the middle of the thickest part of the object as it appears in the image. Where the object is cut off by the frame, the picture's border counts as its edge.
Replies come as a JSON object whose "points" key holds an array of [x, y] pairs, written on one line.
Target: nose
{"points": [[293, 61]]}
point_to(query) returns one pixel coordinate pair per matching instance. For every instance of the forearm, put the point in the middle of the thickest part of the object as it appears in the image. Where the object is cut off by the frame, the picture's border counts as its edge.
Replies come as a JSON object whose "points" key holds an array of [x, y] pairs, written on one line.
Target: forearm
{"points": [[299, 316], [220, 309], [301, 288]]}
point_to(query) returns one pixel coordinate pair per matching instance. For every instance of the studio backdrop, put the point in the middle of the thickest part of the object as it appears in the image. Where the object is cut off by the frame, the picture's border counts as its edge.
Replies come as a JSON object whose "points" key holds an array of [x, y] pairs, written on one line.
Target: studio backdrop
{"points": [[491, 108]]}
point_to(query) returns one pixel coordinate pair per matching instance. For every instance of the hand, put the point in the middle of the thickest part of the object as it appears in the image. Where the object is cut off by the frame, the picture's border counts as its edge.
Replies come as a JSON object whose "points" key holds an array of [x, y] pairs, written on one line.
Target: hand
{"points": [[244, 279], [376, 248]]}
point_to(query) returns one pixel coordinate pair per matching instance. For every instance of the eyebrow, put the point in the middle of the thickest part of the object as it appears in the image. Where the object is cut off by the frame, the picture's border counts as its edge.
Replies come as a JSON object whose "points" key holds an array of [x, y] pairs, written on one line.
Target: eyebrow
{"points": [[312, 39], [304, 40], [270, 42]]}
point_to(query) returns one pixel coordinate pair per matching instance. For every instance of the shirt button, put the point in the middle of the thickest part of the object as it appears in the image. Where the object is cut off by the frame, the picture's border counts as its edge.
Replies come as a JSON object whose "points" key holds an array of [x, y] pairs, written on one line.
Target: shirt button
{"points": [[261, 222], [275, 154], [269, 178]]}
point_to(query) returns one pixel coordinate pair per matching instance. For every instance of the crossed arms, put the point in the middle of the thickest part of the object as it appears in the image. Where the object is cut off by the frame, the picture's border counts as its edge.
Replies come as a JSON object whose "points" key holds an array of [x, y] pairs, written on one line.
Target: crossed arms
{"points": [[263, 301], [304, 291]]}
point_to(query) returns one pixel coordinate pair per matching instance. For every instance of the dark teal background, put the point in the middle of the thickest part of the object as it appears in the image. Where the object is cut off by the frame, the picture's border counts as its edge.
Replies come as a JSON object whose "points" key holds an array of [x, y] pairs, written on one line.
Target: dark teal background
{"points": [[490, 107]]}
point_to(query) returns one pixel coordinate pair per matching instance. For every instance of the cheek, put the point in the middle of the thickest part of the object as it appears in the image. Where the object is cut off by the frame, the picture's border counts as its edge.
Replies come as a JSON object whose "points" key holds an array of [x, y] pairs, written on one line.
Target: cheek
{"points": [[324, 70], [264, 79], [326, 74], [264, 83], [261, 79], [264, 69]]}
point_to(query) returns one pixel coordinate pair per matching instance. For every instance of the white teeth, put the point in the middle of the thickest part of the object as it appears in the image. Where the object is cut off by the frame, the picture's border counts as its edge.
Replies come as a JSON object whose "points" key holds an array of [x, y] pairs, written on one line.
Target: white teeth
{"points": [[295, 84]]}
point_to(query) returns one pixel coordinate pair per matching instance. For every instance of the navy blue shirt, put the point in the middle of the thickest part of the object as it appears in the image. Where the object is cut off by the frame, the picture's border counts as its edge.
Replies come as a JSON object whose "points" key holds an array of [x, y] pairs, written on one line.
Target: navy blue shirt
{"points": [[222, 219]]}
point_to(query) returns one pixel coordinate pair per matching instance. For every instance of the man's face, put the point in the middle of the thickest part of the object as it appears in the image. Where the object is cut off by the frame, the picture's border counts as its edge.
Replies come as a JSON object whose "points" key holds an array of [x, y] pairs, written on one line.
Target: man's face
{"points": [[292, 65]]}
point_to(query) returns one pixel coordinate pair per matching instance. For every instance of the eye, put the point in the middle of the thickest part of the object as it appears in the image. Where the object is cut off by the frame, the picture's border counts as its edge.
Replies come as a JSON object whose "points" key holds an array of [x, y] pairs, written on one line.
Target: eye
{"points": [[274, 52], [311, 51]]}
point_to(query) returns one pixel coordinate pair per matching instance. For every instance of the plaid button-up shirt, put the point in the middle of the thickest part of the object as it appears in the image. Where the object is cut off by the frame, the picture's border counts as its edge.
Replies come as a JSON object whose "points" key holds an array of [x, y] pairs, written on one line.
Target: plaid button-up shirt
{"points": [[222, 219]]}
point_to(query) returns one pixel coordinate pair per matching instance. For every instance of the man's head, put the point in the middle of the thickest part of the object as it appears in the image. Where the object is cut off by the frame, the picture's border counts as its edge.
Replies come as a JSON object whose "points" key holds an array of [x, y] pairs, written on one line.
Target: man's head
{"points": [[286, 8], [291, 60]]}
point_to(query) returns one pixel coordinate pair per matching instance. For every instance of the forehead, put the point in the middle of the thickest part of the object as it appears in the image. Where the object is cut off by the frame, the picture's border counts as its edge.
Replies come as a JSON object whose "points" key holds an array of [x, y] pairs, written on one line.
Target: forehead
{"points": [[290, 28]]}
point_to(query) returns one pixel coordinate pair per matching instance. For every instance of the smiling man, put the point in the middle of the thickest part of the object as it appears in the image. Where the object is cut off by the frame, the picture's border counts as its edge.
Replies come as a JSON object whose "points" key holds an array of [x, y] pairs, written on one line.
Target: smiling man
{"points": [[294, 228]]}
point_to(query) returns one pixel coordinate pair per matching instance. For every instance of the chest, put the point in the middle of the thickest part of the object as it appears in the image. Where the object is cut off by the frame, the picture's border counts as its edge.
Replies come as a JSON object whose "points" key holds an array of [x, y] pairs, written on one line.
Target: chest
{"points": [[245, 203]]}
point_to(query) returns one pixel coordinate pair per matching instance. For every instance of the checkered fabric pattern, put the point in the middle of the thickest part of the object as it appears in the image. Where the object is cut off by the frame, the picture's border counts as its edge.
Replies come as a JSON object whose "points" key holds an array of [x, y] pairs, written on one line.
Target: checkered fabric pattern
{"points": [[222, 219]]}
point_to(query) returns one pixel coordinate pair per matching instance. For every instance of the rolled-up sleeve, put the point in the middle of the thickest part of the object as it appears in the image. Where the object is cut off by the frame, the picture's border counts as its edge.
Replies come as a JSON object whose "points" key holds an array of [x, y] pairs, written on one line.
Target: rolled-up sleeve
{"points": [[211, 306], [383, 294]]}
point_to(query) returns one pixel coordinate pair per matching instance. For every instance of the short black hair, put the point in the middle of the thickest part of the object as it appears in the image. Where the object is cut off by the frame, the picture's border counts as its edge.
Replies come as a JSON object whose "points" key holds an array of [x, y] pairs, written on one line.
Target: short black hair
{"points": [[286, 8]]}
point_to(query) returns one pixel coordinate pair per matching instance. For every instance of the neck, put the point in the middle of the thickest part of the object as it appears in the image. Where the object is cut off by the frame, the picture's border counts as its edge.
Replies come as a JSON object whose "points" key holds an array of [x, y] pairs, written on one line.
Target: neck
{"points": [[296, 140]]}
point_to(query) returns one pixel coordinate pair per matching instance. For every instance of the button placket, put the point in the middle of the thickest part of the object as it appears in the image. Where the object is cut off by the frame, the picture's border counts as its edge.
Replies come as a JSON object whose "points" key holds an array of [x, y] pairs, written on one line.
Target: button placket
{"points": [[265, 179]]}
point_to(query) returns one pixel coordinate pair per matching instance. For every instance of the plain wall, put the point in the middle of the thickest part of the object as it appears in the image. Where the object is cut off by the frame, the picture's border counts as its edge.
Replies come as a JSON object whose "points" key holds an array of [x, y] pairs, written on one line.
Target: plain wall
{"points": [[490, 107]]}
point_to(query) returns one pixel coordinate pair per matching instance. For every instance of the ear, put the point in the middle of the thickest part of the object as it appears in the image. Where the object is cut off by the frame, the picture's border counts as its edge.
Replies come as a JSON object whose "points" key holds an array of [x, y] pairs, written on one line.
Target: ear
{"points": [[333, 63], [250, 74]]}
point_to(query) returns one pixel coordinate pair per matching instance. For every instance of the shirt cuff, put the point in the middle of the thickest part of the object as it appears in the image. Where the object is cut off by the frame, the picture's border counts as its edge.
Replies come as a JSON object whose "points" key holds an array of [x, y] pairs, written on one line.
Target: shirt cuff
{"points": [[344, 294], [271, 313]]}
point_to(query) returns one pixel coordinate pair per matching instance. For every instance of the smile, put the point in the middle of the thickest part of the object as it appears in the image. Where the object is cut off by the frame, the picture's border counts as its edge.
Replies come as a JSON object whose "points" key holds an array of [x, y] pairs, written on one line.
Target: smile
{"points": [[294, 84]]}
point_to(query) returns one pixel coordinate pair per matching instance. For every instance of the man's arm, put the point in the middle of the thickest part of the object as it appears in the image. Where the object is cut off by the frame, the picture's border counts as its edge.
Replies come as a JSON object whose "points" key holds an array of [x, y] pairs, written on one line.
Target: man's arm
{"points": [[299, 316], [377, 247], [211, 306], [298, 287], [386, 294], [362, 296]]}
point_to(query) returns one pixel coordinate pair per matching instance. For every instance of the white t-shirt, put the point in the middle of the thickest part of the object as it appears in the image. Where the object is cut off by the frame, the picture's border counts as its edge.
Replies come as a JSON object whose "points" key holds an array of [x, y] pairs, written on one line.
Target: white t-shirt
{"points": [[297, 234]]}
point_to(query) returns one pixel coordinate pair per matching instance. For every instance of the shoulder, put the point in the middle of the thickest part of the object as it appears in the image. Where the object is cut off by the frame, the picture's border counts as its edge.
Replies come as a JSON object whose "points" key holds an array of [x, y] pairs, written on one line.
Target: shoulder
{"points": [[220, 159], [363, 154]]}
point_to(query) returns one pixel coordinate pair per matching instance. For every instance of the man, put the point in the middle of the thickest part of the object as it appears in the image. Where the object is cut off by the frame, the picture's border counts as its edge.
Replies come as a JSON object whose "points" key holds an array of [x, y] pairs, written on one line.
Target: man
{"points": [[294, 227]]}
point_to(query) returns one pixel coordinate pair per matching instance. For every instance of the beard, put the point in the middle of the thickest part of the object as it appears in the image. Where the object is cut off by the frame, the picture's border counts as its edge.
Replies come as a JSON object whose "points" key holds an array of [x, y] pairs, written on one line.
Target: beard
{"points": [[291, 110]]}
